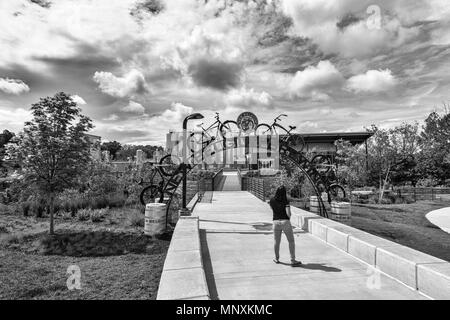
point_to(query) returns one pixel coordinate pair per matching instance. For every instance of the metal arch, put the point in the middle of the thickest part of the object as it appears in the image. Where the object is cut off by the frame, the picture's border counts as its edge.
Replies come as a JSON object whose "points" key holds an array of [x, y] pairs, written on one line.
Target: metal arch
{"points": [[310, 172], [296, 157], [170, 187]]}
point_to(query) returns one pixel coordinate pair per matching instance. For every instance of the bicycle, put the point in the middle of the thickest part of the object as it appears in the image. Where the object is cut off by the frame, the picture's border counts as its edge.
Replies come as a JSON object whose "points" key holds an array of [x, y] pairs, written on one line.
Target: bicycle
{"points": [[295, 141], [153, 191], [225, 129], [169, 163]]}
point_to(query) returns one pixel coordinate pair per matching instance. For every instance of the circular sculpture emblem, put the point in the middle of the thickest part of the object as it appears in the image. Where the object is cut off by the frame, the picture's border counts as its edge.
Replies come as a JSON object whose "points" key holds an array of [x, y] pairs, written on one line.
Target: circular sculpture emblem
{"points": [[247, 122]]}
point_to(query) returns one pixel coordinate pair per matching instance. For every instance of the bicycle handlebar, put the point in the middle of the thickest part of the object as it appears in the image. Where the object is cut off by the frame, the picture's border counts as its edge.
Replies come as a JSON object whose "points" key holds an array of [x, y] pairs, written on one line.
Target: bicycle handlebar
{"points": [[279, 117]]}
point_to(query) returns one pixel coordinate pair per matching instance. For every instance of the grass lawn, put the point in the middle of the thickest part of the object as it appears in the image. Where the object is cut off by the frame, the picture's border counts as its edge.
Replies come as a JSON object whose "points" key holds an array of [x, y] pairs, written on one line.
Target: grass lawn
{"points": [[405, 224], [116, 260]]}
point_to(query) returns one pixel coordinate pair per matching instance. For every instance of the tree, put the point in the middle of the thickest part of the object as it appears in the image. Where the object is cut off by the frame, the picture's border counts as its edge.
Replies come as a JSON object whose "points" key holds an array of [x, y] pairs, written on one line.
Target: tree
{"points": [[435, 154], [5, 138], [53, 147], [391, 157], [351, 161], [113, 147]]}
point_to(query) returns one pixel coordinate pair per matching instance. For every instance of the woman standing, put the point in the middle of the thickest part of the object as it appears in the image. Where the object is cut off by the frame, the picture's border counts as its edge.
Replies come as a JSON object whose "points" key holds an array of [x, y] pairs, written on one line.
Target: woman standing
{"points": [[281, 223]]}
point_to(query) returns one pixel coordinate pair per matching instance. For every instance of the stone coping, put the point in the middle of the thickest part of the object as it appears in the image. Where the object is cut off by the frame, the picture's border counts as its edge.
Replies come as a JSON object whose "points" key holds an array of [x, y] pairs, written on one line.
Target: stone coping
{"points": [[419, 271], [183, 276], [192, 203]]}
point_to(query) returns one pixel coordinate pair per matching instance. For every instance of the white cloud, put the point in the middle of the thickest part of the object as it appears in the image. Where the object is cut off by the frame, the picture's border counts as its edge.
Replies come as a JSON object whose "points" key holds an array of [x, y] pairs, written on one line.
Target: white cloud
{"points": [[12, 86], [372, 81], [134, 107], [176, 113], [79, 100], [318, 20], [129, 85], [112, 117], [248, 98], [315, 82], [14, 119]]}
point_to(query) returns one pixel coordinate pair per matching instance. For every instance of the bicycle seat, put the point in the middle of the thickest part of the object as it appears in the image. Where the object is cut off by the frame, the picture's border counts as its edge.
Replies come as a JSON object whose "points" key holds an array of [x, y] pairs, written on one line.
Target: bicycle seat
{"points": [[292, 127]]}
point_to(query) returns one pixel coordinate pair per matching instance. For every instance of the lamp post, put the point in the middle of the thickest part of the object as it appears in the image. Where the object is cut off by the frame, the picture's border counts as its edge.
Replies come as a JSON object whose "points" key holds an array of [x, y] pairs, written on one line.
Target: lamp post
{"points": [[194, 116]]}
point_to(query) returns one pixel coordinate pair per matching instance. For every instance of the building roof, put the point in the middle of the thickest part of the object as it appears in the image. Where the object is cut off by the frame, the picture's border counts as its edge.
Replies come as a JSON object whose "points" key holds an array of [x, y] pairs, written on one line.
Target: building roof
{"points": [[353, 137]]}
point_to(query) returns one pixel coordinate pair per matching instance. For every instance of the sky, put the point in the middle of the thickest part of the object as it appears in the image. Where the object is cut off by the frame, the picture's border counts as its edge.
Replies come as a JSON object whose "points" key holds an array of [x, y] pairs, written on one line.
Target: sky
{"points": [[138, 67]]}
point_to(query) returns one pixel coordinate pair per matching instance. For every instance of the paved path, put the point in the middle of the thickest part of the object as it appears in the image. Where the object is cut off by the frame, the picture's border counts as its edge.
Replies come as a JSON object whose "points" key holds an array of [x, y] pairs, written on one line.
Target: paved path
{"points": [[441, 218], [231, 181], [237, 248]]}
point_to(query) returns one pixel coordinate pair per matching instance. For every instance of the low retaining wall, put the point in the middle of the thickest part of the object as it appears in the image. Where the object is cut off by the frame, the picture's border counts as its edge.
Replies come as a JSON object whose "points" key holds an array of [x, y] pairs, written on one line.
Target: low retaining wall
{"points": [[183, 276], [415, 269]]}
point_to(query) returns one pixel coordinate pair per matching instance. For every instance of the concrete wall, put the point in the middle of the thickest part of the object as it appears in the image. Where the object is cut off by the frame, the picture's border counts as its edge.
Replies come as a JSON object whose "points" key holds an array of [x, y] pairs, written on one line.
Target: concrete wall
{"points": [[418, 270], [183, 276]]}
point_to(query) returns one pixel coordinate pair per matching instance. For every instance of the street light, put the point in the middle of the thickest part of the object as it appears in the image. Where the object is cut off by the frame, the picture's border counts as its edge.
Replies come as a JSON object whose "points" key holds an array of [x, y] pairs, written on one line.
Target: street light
{"points": [[194, 116]]}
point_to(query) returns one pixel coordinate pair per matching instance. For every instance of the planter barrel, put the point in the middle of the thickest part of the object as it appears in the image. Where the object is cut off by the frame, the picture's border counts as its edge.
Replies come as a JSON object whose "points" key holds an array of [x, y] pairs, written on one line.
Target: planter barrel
{"points": [[314, 204], [341, 211], [155, 219]]}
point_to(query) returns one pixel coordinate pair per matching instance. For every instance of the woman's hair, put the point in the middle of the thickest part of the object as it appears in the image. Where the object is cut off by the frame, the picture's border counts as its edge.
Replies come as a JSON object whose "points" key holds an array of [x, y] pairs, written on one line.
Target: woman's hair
{"points": [[280, 195]]}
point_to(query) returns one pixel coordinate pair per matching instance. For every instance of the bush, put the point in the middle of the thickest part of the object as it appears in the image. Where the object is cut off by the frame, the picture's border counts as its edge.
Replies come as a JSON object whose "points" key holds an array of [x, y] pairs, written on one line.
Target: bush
{"points": [[84, 214], [98, 215], [136, 218], [386, 201], [66, 215]]}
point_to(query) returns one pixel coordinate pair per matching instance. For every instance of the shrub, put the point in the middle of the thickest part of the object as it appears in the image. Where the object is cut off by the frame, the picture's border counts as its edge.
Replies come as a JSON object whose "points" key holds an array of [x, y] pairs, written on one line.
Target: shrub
{"points": [[98, 215], [386, 201], [409, 200], [136, 218], [84, 214], [66, 215]]}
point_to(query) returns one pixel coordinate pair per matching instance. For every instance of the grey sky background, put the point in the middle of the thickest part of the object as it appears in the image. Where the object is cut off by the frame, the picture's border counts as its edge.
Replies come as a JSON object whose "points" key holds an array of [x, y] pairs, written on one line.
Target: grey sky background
{"points": [[137, 67]]}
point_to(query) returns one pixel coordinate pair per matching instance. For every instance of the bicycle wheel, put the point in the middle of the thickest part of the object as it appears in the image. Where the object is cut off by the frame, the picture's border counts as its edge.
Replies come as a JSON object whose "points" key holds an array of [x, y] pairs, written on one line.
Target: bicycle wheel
{"points": [[169, 164], [150, 194], [337, 192], [322, 163], [229, 129], [263, 129]]}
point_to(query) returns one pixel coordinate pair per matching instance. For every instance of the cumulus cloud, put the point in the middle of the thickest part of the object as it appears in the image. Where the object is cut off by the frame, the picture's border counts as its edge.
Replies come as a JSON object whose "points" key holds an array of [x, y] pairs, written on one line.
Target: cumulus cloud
{"points": [[129, 85], [78, 100], [372, 81], [111, 117], [315, 82], [12, 86], [215, 74], [176, 113], [352, 28], [134, 107], [248, 98]]}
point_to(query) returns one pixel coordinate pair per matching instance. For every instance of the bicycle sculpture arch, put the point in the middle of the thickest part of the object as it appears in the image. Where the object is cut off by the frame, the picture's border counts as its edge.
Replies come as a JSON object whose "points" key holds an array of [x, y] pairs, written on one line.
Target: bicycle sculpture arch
{"points": [[320, 170]]}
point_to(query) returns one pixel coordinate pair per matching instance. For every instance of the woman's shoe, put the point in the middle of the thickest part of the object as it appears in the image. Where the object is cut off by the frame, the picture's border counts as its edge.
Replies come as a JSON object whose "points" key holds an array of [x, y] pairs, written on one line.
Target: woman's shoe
{"points": [[295, 263], [276, 261]]}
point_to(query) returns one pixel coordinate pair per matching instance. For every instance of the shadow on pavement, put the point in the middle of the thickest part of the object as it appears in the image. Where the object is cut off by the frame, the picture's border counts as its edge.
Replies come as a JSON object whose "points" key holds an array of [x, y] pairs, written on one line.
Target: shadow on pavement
{"points": [[209, 273], [313, 266]]}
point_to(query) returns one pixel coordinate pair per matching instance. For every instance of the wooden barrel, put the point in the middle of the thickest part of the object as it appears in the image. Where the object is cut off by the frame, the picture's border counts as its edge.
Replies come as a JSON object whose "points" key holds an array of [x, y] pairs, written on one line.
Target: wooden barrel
{"points": [[314, 204], [155, 219], [341, 211]]}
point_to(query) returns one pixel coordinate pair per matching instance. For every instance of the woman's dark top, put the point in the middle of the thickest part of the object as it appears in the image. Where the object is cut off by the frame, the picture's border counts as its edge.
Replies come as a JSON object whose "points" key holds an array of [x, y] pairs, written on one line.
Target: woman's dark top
{"points": [[279, 209]]}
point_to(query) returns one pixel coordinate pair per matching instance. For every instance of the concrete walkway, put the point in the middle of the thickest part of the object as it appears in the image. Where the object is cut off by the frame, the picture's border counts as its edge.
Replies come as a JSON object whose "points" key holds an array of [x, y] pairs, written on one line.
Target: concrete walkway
{"points": [[231, 181], [237, 249], [441, 218]]}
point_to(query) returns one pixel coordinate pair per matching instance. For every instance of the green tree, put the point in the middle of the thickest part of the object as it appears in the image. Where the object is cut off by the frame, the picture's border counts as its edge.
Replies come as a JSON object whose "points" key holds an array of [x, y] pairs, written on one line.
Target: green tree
{"points": [[434, 158], [53, 147], [113, 147], [5, 138], [351, 160], [391, 158]]}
